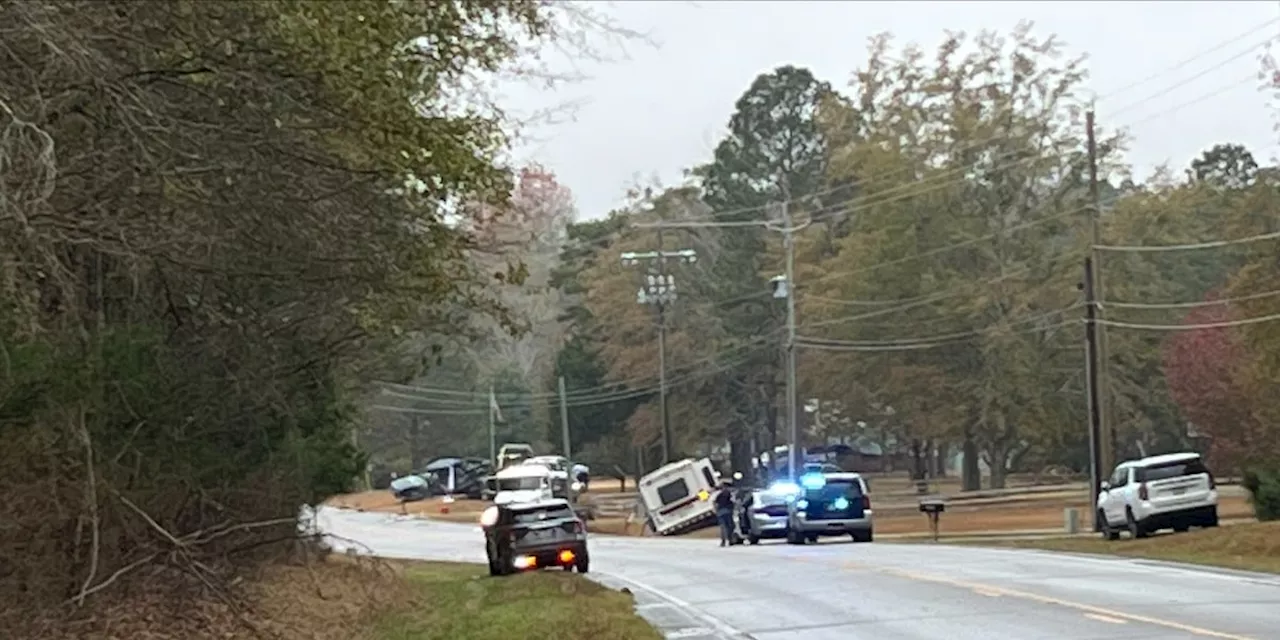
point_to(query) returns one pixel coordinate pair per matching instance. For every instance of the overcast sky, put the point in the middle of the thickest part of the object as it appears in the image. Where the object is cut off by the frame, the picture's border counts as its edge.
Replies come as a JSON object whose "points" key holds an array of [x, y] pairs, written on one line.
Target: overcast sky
{"points": [[663, 109]]}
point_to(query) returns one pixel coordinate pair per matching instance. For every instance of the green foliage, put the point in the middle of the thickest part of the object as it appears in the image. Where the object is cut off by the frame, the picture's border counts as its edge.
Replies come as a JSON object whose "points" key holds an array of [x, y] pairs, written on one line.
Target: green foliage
{"points": [[938, 297], [1263, 484], [455, 601], [245, 227]]}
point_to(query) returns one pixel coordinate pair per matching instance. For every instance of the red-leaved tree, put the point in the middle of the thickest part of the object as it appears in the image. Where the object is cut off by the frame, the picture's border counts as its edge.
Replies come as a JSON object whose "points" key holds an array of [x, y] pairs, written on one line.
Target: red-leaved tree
{"points": [[1203, 367]]}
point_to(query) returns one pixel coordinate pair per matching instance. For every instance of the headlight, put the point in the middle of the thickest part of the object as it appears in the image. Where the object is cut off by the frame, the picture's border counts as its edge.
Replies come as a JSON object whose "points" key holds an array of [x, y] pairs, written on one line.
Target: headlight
{"points": [[489, 517], [577, 486]]}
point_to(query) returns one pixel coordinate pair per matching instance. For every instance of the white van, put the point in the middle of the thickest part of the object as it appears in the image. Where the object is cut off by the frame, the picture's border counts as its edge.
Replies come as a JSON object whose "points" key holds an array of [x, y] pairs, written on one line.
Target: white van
{"points": [[522, 483], [677, 496]]}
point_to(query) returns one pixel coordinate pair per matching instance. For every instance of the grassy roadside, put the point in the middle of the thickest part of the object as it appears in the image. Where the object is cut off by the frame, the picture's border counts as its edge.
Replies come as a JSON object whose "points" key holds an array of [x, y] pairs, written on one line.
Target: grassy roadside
{"points": [[347, 598], [1253, 546], [461, 602]]}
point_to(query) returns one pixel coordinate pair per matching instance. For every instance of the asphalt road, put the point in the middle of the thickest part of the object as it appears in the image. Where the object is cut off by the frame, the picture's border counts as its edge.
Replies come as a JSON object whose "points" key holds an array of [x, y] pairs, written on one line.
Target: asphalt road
{"points": [[880, 591]]}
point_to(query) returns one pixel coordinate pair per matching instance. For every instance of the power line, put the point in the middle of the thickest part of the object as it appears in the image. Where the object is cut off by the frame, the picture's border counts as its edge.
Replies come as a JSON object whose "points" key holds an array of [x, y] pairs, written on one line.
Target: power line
{"points": [[999, 137], [1213, 244], [1186, 61], [601, 391], [1190, 305], [924, 343], [603, 398], [1252, 49], [1191, 327], [945, 337]]}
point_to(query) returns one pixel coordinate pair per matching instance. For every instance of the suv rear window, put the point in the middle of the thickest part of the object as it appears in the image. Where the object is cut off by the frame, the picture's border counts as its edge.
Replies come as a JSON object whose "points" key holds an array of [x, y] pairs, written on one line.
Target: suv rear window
{"points": [[838, 489], [1168, 470], [673, 491], [534, 516]]}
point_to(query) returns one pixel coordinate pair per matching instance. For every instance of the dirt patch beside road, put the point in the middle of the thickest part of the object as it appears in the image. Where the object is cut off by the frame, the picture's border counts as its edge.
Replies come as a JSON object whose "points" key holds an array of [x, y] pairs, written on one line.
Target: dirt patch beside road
{"points": [[1034, 516]]}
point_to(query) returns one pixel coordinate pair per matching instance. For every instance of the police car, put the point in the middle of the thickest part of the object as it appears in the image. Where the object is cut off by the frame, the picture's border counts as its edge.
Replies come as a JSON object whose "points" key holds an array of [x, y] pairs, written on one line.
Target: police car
{"points": [[828, 504]]}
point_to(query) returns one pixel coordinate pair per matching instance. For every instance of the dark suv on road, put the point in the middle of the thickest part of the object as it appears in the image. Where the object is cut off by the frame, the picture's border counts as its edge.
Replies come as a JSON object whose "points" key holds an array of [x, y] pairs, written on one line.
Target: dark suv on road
{"points": [[534, 535], [830, 504]]}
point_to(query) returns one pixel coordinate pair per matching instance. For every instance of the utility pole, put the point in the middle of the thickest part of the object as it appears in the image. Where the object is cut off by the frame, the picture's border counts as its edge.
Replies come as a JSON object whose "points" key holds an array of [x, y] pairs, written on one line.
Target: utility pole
{"points": [[788, 239], [564, 420], [493, 431], [783, 287], [1096, 466], [1106, 433], [659, 290]]}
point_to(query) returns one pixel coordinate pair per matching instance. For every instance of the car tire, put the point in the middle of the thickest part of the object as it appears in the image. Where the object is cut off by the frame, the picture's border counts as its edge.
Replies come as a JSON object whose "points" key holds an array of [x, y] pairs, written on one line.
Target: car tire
{"points": [[1105, 527], [812, 538], [862, 536], [582, 564], [493, 568], [1213, 519], [793, 537], [1182, 528], [754, 540], [1136, 530]]}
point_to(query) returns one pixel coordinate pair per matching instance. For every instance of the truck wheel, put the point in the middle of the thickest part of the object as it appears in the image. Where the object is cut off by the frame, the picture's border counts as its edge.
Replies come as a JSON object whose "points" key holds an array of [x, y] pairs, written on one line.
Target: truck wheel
{"points": [[493, 568], [862, 536], [813, 538], [583, 563]]}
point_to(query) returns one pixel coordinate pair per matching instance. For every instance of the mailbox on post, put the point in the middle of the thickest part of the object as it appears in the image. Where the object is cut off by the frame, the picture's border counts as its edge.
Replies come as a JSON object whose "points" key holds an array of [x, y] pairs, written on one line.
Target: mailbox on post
{"points": [[933, 508]]}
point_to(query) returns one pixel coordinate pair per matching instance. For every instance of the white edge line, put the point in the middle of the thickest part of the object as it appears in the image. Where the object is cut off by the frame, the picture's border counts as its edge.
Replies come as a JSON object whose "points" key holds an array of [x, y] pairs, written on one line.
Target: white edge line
{"points": [[716, 623]]}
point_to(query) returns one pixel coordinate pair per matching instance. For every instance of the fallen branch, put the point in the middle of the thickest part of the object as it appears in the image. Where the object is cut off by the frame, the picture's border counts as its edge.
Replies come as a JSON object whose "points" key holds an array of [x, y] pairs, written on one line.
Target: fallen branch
{"points": [[84, 593], [91, 493]]}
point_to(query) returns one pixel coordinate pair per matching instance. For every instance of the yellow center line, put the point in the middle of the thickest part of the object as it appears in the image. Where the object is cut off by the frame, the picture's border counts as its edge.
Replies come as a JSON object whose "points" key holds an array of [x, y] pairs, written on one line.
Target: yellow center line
{"points": [[1094, 616], [1079, 606]]}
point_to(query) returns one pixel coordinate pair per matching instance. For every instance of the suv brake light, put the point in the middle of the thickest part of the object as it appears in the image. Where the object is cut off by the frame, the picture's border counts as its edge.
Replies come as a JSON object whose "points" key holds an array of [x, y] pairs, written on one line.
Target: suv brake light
{"points": [[866, 501], [1142, 492]]}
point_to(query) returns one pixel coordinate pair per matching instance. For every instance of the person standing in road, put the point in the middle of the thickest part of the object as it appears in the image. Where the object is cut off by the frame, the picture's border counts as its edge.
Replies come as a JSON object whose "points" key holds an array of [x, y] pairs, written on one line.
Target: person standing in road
{"points": [[724, 513], [582, 474]]}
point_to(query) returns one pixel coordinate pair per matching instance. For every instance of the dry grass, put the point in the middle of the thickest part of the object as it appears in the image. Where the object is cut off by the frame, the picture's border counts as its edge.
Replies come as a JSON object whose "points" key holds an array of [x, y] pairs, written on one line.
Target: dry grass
{"points": [[461, 602], [1253, 546], [1026, 515], [1032, 516], [348, 598], [322, 599]]}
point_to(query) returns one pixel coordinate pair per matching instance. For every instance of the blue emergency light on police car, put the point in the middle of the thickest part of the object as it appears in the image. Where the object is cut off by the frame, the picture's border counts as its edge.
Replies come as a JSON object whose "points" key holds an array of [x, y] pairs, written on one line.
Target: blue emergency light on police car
{"points": [[840, 504], [813, 481]]}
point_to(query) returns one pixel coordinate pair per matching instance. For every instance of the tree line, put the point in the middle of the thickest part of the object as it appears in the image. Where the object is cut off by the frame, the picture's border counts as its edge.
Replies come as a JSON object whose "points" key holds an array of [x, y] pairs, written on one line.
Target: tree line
{"points": [[948, 210], [218, 222]]}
